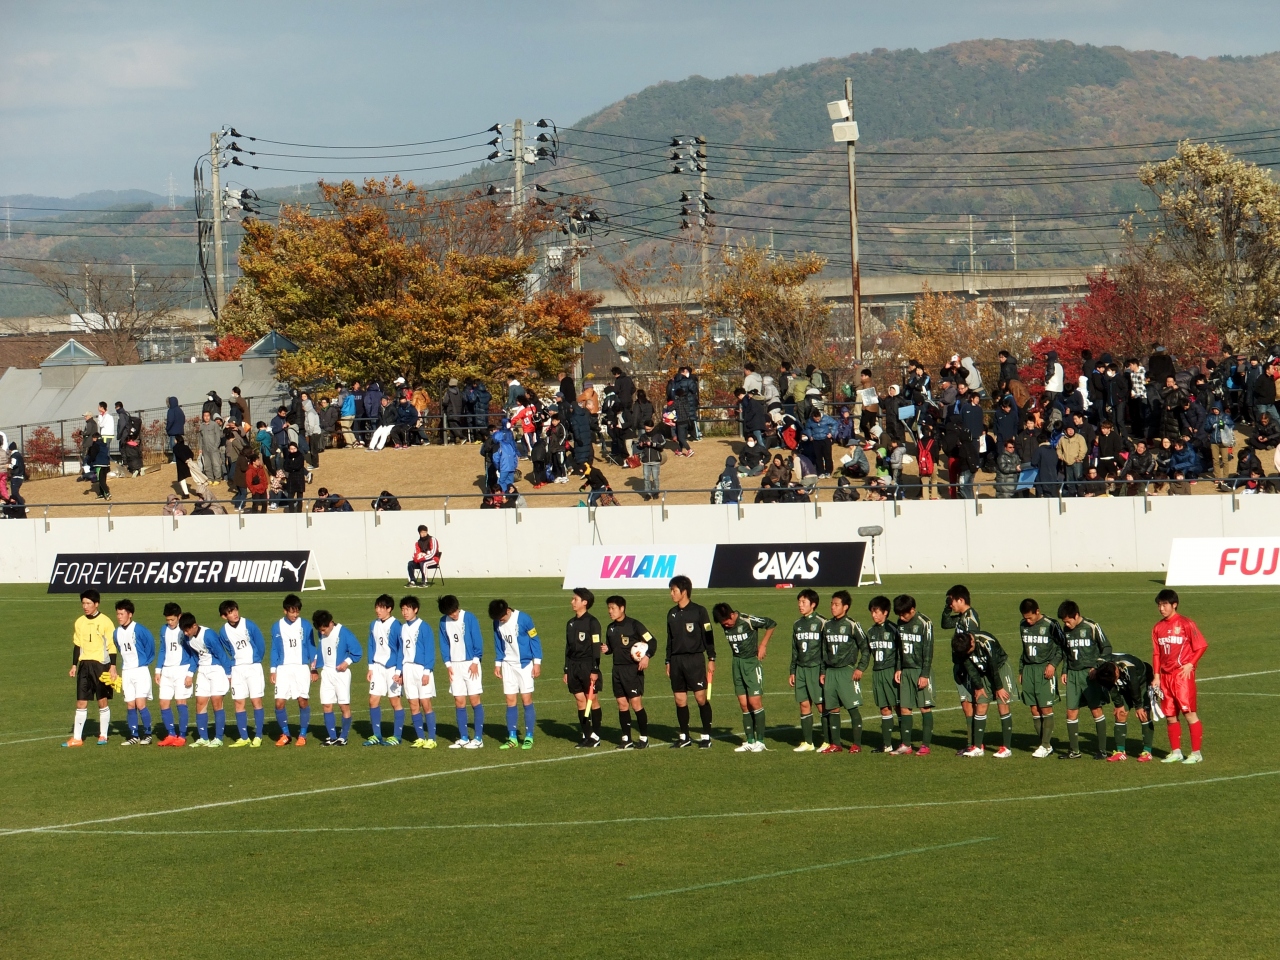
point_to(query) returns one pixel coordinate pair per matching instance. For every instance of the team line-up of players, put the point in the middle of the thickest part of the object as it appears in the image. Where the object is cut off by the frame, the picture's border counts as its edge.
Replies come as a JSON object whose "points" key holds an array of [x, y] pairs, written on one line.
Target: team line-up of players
{"points": [[1069, 657]]}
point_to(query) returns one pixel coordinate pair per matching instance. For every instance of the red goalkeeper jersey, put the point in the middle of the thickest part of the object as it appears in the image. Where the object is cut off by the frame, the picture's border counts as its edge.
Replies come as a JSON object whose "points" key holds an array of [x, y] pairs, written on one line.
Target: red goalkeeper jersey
{"points": [[1176, 642]]}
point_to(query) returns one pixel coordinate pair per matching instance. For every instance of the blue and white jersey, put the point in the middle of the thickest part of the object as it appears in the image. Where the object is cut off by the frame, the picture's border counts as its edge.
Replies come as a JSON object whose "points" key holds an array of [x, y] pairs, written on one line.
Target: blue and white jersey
{"points": [[385, 642], [210, 650], [292, 643], [174, 650], [418, 643], [340, 646], [136, 645], [245, 640], [460, 639], [517, 640]]}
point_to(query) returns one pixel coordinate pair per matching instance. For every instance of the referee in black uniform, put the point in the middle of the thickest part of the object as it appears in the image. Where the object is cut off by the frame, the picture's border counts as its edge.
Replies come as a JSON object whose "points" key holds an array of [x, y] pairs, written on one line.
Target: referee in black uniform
{"points": [[582, 637], [689, 640]]}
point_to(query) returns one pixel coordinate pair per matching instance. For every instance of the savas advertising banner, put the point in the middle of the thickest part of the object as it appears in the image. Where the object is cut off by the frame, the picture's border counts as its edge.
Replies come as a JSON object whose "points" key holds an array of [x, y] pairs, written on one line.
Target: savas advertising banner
{"points": [[1229, 561], [651, 566], [217, 572]]}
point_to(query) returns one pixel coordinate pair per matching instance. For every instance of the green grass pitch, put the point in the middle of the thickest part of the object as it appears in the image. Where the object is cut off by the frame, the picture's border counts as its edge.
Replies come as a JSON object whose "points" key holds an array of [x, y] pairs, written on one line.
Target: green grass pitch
{"points": [[560, 852]]}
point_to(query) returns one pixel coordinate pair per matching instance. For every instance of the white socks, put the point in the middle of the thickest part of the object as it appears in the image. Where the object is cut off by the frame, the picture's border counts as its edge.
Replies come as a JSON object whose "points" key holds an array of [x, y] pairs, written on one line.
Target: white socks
{"points": [[78, 729], [104, 720]]}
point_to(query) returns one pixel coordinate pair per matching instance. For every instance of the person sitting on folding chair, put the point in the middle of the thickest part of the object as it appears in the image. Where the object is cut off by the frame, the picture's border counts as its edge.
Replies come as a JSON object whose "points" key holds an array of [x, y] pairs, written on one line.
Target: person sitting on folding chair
{"points": [[426, 556]]}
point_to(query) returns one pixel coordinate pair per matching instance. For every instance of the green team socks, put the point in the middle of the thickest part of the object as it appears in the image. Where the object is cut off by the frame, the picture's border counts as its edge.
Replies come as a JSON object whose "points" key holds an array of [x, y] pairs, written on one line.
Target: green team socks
{"points": [[1122, 736], [979, 730], [757, 719], [926, 720], [1148, 733], [1046, 724], [855, 719], [973, 728], [833, 729], [1100, 727], [806, 728], [1038, 723], [904, 730], [1006, 730], [1073, 735], [748, 727]]}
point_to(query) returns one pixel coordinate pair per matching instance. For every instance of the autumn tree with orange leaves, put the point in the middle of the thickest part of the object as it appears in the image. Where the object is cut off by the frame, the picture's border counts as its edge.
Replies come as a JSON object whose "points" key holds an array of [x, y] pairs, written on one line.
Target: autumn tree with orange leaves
{"points": [[395, 282]]}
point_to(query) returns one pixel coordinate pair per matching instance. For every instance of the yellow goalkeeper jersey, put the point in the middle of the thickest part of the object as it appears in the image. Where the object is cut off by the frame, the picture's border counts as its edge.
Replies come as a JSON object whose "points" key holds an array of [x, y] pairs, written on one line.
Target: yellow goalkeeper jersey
{"points": [[95, 638]]}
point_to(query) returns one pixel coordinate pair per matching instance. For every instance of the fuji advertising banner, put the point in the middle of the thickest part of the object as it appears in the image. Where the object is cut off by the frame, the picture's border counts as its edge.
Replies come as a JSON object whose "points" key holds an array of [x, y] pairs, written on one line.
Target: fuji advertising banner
{"points": [[1229, 561], [651, 566]]}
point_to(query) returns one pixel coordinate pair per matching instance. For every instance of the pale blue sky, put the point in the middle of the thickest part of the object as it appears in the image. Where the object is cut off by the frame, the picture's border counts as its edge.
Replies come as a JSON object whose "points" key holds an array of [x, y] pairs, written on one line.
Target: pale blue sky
{"points": [[116, 95]]}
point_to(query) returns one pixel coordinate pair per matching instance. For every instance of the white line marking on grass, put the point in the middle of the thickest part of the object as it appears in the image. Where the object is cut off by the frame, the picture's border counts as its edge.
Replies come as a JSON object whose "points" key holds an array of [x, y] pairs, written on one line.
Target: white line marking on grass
{"points": [[1232, 693], [9, 743], [299, 793], [1236, 676], [816, 866], [802, 811]]}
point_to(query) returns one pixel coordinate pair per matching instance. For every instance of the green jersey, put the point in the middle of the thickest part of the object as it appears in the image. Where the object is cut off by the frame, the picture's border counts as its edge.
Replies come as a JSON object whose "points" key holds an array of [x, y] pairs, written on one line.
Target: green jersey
{"points": [[915, 644], [984, 662], [967, 622], [1042, 642], [806, 642], [1086, 644], [743, 636], [882, 638], [844, 644], [1133, 677]]}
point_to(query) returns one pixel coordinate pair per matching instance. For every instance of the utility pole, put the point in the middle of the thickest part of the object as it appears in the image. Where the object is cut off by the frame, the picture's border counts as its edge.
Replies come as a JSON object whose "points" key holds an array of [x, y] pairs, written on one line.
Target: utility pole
{"points": [[173, 194], [856, 297], [517, 198], [8, 222], [971, 251], [701, 163], [1015, 242], [218, 257]]}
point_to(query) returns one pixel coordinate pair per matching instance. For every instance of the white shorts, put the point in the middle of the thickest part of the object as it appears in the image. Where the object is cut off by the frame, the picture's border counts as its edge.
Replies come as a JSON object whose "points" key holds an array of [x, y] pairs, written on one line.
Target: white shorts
{"points": [[137, 683], [293, 682], [212, 682], [462, 684], [382, 681], [516, 679], [173, 684], [247, 682], [415, 686], [335, 686]]}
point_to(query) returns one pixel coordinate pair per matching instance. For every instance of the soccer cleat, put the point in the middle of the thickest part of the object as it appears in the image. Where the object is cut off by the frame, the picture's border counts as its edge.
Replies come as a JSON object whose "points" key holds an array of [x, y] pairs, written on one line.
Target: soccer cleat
{"points": [[1174, 757], [255, 742], [758, 747], [1073, 755], [593, 742], [460, 744], [1099, 755], [198, 743], [972, 752], [1118, 757], [704, 743], [509, 743], [1004, 753], [215, 742], [391, 742], [300, 742], [73, 742], [923, 751], [829, 748], [235, 744], [1145, 757], [680, 743], [426, 744], [475, 744], [527, 745], [102, 740], [964, 750], [283, 740], [373, 741], [625, 745], [1041, 752], [145, 741], [904, 750], [805, 748], [340, 742], [416, 745], [131, 742], [642, 744], [166, 741], [887, 748], [1194, 757], [179, 742], [745, 747], [327, 742], [853, 748]]}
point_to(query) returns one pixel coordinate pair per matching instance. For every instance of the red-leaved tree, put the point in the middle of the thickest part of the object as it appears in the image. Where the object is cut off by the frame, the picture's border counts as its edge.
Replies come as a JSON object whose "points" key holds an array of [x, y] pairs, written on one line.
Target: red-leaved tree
{"points": [[228, 347]]}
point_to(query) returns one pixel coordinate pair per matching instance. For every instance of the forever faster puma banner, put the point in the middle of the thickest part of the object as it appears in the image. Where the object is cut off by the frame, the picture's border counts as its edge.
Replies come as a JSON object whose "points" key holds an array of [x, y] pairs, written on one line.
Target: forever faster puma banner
{"points": [[716, 565], [218, 572]]}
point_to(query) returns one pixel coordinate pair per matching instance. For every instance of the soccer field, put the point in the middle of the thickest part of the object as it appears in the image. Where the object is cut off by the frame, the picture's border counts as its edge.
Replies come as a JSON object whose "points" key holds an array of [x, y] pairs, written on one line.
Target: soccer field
{"points": [[144, 852]]}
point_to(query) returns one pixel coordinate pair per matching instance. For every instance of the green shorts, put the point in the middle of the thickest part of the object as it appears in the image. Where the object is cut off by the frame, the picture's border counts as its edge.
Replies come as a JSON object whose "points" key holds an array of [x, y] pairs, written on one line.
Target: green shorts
{"points": [[808, 687], [886, 691], [1037, 689], [748, 677], [1082, 690], [910, 694], [1141, 701], [987, 695], [841, 690]]}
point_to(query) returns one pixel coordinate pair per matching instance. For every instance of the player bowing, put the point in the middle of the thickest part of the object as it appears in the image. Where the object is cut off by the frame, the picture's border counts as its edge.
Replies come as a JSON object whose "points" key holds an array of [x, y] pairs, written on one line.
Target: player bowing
{"points": [[882, 639], [213, 678], [248, 647], [518, 662], [742, 630], [1043, 650], [845, 655], [461, 647], [988, 677], [915, 673], [1086, 644], [629, 642], [806, 664], [383, 674], [337, 651], [137, 652]]}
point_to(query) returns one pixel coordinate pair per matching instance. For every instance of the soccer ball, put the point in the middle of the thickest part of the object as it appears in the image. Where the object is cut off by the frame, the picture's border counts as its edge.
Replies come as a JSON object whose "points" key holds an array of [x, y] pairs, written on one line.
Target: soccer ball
{"points": [[639, 651]]}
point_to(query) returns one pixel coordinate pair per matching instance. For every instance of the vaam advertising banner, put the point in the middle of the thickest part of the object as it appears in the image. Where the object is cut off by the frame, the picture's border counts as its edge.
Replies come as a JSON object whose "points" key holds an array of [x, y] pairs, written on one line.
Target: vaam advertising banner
{"points": [[651, 566]]}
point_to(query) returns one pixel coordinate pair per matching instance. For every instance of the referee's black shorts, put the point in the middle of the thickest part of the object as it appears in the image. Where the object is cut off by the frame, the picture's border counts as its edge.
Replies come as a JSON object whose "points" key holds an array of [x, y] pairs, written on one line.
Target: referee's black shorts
{"points": [[88, 686], [688, 673], [628, 683], [579, 674]]}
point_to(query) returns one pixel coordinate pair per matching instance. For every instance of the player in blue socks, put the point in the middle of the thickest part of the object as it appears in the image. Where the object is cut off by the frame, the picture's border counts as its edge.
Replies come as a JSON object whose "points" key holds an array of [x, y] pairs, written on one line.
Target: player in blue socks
{"points": [[338, 650], [518, 655], [418, 661], [384, 676]]}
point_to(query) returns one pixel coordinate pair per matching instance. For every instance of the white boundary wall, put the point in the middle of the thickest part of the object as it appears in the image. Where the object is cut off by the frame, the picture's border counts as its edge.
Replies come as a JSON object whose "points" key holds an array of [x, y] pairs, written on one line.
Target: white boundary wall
{"points": [[923, 537]]}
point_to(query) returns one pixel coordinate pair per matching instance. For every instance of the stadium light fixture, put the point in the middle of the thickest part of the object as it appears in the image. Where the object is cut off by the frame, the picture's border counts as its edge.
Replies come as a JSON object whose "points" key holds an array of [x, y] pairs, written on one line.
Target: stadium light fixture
{"points": [[839, 110]]}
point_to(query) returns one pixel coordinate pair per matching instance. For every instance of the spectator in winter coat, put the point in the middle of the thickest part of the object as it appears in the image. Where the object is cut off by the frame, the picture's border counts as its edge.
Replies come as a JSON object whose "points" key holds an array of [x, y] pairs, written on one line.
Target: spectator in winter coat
{"points": [[819, 429], [1054, 380], [752, 382], [453, 430], [972, 378], [212, 405], [1110, 447], [1008, 370], [728, 486], [685, 395], [1005, 420], [210, 436], [1185, 461], [752, 458], [99, 459], [371, 407], [971, 416], [238, 411], [1160, 366], [769, 392], [1264, 393], [641, 412], [385, 424], [294, 465], [1221, 431], [311, 427], [580, 421], [1008, 466], [349, 409], [649, 446], [844, 427], [329, 415], [240, 477], [480, 418], [175, 423], [182, 457], [751, 412], [280, 432], [1048, 473], [625, 390], [1072, 452], [1266, 435], [405, 430]]}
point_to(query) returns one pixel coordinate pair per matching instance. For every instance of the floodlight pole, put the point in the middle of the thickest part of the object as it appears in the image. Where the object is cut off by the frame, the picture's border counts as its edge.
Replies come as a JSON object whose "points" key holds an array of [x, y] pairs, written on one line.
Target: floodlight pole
{"points": [[517, 198], [856, 294], [218, 257], [702, 212]]}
